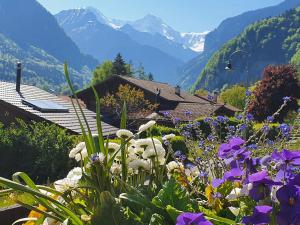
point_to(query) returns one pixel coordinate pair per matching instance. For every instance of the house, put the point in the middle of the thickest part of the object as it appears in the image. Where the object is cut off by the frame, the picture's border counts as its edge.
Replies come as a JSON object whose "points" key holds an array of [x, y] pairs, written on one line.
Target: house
{"points": [[170, 99], [30, 103]]}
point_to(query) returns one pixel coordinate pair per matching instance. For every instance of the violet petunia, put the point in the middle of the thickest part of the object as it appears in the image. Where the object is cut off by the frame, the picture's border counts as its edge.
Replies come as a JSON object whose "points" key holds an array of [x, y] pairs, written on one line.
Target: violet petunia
{"points": [[226, 150], [188, 218], [260, 216], [289, 198], [286, 162], [261, 185]]}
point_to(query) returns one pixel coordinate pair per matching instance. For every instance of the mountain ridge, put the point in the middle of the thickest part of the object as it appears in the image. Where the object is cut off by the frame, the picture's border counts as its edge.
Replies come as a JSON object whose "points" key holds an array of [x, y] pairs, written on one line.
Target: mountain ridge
{"points": [[227, 30]]}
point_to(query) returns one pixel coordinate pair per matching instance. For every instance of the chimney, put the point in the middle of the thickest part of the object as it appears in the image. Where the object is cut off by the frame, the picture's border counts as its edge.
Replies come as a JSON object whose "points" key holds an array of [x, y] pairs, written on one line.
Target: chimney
{"points": [[177, 90], [216, 95], [19, 74]]}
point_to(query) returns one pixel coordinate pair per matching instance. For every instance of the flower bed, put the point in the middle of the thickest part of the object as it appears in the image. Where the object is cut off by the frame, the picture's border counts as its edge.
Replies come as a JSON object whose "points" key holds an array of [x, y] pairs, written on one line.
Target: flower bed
{"points": [[241, 177]]}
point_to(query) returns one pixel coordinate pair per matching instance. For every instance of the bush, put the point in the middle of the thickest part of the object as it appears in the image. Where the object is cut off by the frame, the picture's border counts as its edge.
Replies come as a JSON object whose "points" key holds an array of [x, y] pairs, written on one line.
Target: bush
{"points": [[277, 83], [178, 144], [39, 149]]}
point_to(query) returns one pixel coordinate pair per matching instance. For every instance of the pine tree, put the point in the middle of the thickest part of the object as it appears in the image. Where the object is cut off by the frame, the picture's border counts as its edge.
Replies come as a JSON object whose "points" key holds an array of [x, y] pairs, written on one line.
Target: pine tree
{"points": [[150, 77], [141, 72], [119, 66]]}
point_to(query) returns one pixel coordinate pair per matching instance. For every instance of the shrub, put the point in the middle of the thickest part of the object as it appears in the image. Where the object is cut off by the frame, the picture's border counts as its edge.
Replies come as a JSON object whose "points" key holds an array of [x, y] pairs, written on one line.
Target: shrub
{"points": [[39, 149], [277, 82], [178, 144], [235, 95]]}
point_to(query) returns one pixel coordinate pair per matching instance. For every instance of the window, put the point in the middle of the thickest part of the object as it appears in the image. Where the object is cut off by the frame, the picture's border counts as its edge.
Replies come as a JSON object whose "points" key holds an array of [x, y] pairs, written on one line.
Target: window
{"points": [[45, 106]]}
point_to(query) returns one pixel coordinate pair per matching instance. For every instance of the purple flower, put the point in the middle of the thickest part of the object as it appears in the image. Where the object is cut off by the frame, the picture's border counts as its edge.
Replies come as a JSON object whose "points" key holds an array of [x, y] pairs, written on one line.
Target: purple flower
{"points": [[210, 97], [166, 114], [201, 143], [239, 117], [189, 126], [186, 134], [286, 161], [210, 137], [252, 146], [227, 149], [176, 120], [249, 117], [266, 128], [182, 158], [286, 99], [177, 154], [285, 129], [260, 216], [222, 119], [231, 128], [298, 110], [289, 198], [243, 127], [208, 119], [248, 93], [270, 119], [261, 185], [187, 218], [188, 113]]}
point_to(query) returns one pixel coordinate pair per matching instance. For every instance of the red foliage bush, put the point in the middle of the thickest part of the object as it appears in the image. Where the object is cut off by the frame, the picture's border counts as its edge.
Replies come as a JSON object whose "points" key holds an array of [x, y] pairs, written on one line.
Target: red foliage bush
{"points": [[277, 82]]}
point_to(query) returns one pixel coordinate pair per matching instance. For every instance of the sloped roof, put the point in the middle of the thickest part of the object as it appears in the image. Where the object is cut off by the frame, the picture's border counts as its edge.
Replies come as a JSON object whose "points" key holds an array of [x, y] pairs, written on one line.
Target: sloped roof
{"points": [[166, 91], [67, 120]]}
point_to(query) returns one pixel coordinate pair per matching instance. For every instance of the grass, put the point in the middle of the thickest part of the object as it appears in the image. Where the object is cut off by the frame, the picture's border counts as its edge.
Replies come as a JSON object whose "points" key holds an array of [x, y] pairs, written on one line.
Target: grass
{"points": [[7, 201]]}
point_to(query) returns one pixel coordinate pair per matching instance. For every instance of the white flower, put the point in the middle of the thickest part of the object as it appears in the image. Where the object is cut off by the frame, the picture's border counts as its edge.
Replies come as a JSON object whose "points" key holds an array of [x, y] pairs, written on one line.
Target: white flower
{"points": [[131, 141], [75, 174], [139, 164], [155, 140], [239, 192], [116, 168], [50, 221], [146, 126], [64, 184], [85, 218], [143, 143], [139, 151], [77, 149], [234, 194], [131, 157], [124, 134], [174, 166], [151, 152], [82, 155], [168, 137], [113, 147], [235, 211]]}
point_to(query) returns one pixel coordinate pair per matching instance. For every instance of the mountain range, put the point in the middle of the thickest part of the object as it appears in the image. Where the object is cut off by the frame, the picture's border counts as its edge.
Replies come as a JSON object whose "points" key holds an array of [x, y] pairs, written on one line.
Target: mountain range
{"points": [[226, 31], [30, 34], [274, 40], [148, 41]]}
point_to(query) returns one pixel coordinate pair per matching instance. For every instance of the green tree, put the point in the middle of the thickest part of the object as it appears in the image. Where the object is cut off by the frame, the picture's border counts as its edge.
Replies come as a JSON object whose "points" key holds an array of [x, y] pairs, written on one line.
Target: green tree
{"points": [[102, 72], [235, 96], [150, 77], [119, 66], [134, 98], [140, 72]]}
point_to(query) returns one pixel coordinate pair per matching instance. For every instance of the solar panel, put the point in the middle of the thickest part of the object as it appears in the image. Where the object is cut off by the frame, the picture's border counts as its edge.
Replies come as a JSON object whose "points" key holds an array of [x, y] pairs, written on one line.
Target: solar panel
{"points": [[45, 105]]}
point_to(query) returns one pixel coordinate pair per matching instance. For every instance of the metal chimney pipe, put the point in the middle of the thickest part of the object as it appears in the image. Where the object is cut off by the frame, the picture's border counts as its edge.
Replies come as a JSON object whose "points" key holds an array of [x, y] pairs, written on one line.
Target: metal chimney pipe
{"points": [[19, 74]]}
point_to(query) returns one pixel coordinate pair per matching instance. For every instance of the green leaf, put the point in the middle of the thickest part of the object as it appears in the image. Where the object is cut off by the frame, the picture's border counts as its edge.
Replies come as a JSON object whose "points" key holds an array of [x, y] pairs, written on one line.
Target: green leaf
{"points": [[211, 216], [109, 212], [174, 195], [157, 219], [174, 213]]}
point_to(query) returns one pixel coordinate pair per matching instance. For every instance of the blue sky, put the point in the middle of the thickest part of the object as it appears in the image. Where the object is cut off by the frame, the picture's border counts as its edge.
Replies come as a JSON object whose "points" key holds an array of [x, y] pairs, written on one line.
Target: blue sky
{"points": [[183, 15]]}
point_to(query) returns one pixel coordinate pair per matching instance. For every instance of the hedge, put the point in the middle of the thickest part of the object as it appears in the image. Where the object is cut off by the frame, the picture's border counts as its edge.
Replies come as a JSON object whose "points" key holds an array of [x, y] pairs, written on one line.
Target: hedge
{"points": [[39, 149]]}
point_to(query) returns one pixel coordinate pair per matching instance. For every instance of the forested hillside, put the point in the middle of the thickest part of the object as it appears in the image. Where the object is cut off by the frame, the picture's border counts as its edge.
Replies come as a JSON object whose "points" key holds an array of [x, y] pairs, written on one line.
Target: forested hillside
{"points": [[271, 41]]}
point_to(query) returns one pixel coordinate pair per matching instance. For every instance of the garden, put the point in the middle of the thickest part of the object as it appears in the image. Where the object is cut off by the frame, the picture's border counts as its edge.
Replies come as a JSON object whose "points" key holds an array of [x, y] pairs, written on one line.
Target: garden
{"points": [[215, 170]]}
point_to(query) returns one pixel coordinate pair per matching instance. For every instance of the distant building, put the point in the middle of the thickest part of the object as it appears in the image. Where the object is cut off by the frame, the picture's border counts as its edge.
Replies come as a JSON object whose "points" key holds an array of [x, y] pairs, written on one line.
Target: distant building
{"points": [[170, 99], [30, 103]]}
